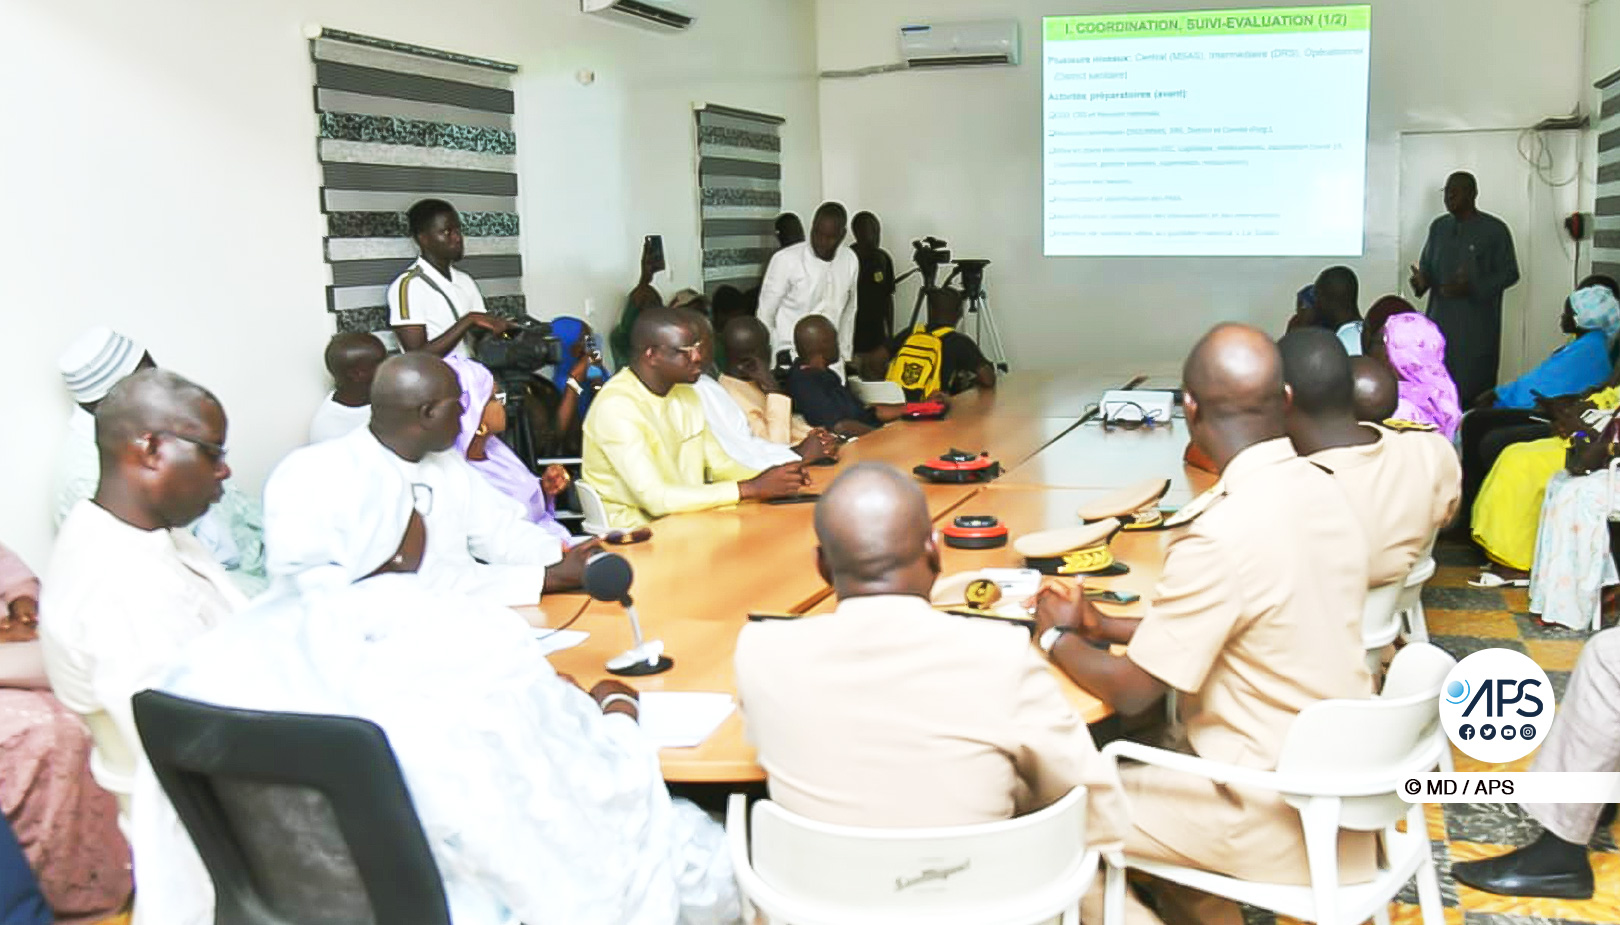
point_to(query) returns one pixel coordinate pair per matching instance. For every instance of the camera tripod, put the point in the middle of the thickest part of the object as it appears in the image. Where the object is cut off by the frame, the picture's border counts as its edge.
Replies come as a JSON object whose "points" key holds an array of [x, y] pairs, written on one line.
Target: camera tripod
{"points": [[519, 433], [976, 306]]}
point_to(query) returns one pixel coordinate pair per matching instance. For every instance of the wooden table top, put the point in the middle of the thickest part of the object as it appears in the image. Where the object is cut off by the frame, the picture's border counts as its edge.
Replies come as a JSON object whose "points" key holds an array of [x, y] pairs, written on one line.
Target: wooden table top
{"points": [[702, 573], [1088, 456]]}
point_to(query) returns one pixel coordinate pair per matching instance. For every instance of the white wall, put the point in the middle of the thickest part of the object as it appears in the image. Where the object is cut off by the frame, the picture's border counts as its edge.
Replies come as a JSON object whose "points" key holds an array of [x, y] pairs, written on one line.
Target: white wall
{"points": [[161, 174], [955, 154]]}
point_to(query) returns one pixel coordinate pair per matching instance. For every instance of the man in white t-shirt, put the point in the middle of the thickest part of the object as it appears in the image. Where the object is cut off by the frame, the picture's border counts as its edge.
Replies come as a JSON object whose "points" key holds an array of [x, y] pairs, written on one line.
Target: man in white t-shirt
{"points": [[352, 358], [432, 305], [814, 277]]}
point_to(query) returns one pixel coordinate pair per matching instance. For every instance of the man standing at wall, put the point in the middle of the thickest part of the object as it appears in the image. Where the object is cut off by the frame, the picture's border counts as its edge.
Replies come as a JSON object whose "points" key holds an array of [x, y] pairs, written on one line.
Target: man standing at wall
{"points": [[1467, 263]]}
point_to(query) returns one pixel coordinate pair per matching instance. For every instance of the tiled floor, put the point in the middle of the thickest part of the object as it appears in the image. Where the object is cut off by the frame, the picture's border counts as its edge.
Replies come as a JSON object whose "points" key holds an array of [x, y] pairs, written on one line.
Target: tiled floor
{"points": [[1463, 620]]}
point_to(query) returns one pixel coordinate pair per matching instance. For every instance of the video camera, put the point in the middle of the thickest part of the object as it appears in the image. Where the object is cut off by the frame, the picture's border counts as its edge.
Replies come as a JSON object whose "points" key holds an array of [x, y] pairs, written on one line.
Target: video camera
{"points": [[972, 272], [928, 253], [526, 347]]}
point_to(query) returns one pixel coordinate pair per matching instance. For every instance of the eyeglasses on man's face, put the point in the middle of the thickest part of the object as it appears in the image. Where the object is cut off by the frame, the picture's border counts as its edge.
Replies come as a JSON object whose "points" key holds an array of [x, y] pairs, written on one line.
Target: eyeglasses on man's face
{"points": [[214, 451]]}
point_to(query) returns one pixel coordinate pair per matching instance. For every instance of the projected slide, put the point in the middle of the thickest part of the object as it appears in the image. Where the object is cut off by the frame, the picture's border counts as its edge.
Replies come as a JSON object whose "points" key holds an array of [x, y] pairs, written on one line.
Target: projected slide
{"points": [[1223, 133]]}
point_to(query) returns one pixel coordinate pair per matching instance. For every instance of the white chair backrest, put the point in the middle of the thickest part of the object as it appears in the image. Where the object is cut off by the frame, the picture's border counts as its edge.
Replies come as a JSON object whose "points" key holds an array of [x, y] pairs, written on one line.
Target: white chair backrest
{"points": [[878, 392], [1418, 667], [1380, 739], [1380, 618], [590, 504], [939, 873]]}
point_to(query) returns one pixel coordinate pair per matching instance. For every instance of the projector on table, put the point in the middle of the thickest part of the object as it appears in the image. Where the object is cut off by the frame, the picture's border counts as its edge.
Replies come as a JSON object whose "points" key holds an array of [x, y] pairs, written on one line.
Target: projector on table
{"points": [[1119, 406]]}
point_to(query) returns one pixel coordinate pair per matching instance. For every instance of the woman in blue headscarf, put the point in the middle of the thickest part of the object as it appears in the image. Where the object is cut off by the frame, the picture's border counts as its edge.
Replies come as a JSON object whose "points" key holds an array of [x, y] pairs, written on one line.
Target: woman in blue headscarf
{"points": [[585, 368]]}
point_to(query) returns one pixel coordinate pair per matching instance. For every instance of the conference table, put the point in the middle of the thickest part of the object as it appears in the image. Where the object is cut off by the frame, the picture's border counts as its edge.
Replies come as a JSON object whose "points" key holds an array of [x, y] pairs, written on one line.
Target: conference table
{"points": [[703, 573]]}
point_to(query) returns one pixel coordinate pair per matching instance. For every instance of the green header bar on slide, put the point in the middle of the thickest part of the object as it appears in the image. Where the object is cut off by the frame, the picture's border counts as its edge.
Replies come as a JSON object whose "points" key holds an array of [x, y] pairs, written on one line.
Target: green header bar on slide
{"points": [[1209, 22]]}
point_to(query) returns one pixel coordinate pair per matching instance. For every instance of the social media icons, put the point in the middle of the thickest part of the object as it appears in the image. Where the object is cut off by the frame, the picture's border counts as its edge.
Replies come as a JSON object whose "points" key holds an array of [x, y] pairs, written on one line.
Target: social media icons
{"points": [[1496, 705]]}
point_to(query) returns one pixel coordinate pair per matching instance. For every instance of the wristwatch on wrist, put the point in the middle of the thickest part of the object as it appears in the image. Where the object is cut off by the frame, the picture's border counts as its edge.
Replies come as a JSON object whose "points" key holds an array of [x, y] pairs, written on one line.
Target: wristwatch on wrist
{"points": [[1050, 638], [574, 384]]}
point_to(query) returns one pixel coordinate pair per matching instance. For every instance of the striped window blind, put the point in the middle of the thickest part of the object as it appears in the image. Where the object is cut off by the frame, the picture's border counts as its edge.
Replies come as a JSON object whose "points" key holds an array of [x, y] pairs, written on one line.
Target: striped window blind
{"points": [[740, 193], [1606, 236], [399, 123]]}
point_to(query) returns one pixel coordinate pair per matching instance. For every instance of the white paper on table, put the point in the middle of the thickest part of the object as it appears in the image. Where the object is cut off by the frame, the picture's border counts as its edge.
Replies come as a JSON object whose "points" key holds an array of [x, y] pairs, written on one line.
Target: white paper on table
{"points": [[683, 719], [558, 640]]}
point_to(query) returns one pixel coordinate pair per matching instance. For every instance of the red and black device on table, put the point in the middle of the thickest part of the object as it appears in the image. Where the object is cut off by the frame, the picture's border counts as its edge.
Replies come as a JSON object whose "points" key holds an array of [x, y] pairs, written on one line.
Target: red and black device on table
{"points": [[976, 531], [924, 411], [959, 467]]}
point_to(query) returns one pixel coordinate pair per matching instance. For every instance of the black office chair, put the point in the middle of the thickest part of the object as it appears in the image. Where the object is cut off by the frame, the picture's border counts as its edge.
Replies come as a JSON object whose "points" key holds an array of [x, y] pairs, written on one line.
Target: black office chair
{"points": [[301, 819]]}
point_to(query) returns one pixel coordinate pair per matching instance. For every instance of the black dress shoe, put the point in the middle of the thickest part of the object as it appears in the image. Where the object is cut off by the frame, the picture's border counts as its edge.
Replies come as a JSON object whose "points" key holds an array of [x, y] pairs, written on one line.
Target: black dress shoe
{"points": [[1526, 873]]}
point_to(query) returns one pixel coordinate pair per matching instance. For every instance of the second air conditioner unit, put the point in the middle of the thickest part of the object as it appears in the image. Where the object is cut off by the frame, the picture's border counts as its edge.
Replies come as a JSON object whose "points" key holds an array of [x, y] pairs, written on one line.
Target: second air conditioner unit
{"points": [[659, 16], [960, 44]]}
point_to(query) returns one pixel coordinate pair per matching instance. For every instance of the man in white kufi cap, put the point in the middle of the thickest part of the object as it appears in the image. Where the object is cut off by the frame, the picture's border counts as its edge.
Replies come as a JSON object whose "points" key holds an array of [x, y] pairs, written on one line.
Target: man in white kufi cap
{"points": [[232, 530]]}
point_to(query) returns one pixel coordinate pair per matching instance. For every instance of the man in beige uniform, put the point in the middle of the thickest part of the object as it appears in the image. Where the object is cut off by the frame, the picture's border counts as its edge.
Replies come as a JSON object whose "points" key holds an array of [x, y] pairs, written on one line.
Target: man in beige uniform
{"points": [[887, 712], [1256, 616], [1404, 484]]}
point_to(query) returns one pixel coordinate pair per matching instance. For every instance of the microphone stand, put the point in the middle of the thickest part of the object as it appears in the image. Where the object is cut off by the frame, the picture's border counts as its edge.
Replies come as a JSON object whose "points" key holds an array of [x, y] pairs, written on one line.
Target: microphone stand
{"points": [[645, 657]]}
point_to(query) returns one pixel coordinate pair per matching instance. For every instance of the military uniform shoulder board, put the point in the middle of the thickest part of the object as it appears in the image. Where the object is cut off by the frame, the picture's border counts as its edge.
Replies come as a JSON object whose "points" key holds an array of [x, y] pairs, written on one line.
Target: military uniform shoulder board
{"points": [[1398, 424], [405, 291], [1195, 508]]}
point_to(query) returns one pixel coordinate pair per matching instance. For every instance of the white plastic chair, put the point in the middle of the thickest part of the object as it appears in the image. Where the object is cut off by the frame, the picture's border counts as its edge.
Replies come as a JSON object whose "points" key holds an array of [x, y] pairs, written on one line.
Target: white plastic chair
{"points": [[1014, 872], [878, 392], [1380, 622], [1410, 605], [596, 520], [1340, 766]]}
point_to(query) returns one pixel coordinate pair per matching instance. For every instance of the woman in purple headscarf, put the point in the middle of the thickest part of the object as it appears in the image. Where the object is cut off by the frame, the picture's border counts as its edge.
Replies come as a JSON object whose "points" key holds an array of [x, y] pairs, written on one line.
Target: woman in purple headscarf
{"points": [[482, 420], [1416, 350]]}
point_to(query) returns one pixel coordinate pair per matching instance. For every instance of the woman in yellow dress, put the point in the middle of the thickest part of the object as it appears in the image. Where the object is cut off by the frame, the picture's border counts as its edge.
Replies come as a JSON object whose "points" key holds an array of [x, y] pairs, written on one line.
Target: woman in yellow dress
{"points": [[1508, 510]]}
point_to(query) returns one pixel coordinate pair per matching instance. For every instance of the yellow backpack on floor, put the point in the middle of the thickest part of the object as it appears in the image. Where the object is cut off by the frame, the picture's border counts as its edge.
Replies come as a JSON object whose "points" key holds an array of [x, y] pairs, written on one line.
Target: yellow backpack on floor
{"points": [[919, 364]]}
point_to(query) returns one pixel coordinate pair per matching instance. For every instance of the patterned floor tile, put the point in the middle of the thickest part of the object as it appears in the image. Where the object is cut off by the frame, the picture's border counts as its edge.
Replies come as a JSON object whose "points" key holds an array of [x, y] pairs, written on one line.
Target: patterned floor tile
{"points": [[1448, 886], [1458, 555], [1492, 918], [1555, 654], [1516, 599], [1464, 762], [1402, 914], [1497, 624], [1603, 907], [1531, 628], [1444, 598], [1490, 823], [1460, 647]]}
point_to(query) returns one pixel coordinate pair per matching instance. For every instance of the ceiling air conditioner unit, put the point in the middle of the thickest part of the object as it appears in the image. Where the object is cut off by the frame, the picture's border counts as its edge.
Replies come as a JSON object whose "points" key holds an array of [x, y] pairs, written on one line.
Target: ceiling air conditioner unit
{"points": [[960, 44], [656, 15]]}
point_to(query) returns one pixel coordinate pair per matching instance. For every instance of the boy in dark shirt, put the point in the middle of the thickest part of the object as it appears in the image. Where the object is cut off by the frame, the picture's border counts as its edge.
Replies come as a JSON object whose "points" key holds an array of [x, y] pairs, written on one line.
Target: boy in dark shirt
{"points": [[818, 393], [962, 365], [874, 295]]}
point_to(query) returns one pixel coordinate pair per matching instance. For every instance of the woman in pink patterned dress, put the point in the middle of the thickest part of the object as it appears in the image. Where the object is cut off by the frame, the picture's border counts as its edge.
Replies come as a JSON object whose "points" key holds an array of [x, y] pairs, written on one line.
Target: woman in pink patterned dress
{"points": [[67, 824]]}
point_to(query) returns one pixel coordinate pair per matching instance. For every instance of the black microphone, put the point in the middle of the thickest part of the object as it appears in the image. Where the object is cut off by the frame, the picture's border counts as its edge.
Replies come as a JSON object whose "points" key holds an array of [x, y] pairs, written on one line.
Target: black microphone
{"points": [[608, 577]]}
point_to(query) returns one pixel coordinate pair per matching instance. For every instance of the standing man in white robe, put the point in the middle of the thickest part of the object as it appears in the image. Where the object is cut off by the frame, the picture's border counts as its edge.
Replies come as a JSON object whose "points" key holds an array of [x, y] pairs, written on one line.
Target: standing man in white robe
{"points": [[814, 277]]}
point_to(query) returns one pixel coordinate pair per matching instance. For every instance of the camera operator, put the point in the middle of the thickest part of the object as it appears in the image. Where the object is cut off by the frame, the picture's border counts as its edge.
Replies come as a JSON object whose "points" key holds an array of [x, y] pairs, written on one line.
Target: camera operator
{"points": [[815, 277], [432, 305]]}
